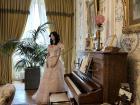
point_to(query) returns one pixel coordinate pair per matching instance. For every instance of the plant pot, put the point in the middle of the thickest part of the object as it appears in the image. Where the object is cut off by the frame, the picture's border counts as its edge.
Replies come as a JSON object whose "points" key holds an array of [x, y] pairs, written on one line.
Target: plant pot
{"points": [[32, 78]]}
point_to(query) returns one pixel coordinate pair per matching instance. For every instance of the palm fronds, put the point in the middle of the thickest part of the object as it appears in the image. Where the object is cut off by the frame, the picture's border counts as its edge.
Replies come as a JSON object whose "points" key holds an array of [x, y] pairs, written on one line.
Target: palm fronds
{"points": [[8, 46], [40, 30], [32, 53]]}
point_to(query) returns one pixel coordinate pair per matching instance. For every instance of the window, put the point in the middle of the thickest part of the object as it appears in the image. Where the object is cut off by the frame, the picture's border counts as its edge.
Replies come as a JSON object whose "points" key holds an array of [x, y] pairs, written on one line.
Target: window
{"points": [[36, 17]]}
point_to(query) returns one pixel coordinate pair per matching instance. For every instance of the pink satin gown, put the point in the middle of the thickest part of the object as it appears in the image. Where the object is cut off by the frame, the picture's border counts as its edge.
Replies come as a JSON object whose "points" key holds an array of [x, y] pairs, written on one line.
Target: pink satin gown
{"points": [[53, 78]]}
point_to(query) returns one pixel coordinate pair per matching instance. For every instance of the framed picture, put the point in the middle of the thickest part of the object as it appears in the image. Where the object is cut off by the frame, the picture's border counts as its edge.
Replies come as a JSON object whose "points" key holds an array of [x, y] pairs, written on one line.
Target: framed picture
{"points": [[131, 16]]}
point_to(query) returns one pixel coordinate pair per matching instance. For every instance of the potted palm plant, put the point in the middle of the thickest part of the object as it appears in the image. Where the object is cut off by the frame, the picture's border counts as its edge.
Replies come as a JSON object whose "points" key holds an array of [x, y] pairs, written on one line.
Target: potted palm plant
{"points": [[32, 56]]}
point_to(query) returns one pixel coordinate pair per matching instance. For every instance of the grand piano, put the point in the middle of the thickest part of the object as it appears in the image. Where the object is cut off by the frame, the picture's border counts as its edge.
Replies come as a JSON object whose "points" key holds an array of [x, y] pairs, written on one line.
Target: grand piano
{"points": [[101, 81]]}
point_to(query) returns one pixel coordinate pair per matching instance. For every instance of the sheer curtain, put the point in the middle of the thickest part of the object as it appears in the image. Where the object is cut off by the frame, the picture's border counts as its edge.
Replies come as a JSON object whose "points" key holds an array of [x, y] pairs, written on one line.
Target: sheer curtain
{"points": [[37, 17]]}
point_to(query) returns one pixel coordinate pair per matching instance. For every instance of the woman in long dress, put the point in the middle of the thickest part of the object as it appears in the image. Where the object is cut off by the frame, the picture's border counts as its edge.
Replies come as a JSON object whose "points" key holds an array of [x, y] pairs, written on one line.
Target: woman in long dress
{"points": [[53, 77]]}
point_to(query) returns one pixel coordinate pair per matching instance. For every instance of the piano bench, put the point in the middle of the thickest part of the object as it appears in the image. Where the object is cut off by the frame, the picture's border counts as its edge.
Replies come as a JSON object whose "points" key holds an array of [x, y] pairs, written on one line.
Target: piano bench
{"points": [[59, 98]]}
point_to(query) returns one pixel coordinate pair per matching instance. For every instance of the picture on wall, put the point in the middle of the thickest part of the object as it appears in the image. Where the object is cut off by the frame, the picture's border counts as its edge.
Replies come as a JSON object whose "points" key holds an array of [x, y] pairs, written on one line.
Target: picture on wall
{"points": [[131, 16], [134, 12]]}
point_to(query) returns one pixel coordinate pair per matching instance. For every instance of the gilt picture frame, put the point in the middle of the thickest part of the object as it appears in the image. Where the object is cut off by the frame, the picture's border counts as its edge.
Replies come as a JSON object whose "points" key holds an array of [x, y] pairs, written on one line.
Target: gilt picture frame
{"points": [[131, 20]]}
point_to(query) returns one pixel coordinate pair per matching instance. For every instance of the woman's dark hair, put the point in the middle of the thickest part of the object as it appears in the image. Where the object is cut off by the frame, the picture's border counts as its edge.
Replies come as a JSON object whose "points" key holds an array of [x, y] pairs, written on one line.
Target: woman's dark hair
{"points": [[57, 38]]}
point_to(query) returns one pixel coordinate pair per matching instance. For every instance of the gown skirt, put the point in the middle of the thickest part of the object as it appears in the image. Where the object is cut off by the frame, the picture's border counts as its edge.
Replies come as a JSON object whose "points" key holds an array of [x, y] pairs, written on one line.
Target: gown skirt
{"points": [[51, 81]]}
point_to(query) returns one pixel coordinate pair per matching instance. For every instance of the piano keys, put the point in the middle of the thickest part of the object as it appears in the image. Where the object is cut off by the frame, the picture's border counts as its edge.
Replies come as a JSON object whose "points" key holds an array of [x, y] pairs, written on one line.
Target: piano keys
{"points": [[85, 90]]}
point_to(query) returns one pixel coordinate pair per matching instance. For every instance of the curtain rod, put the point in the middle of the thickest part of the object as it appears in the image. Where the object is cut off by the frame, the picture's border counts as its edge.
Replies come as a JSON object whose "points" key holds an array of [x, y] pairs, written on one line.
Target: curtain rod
{"points": [[14, 11], [60, 13]]}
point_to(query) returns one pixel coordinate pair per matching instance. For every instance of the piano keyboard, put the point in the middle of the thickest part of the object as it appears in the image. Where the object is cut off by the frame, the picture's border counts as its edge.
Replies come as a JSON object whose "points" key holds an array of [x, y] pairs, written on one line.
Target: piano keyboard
{"points": [[87, 83], [78, 92]]}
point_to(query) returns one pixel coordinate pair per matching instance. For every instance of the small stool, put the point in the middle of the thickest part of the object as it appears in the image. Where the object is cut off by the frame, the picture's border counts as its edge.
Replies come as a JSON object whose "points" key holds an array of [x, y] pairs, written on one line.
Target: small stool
{"points": [[59, 98]]}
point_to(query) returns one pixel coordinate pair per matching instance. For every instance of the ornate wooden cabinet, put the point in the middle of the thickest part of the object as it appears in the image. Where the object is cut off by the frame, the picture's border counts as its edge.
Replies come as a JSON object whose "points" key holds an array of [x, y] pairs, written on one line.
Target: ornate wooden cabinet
{"points": [[110, 70]]}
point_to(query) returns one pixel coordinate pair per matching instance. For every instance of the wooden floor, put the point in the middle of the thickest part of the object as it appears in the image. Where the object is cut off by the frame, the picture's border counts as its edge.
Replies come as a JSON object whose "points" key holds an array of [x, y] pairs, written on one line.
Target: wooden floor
{"points": [[22, 96]]}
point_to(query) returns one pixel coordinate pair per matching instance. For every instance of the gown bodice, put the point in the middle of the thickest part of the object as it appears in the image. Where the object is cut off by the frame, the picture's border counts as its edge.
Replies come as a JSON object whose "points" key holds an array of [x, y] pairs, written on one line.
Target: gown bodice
{"points": [[53, 50]]}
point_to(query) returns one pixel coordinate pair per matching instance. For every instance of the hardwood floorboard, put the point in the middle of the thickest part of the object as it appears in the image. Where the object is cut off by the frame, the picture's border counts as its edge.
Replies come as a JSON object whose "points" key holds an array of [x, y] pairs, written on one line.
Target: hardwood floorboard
{"points": [[22, 96]]}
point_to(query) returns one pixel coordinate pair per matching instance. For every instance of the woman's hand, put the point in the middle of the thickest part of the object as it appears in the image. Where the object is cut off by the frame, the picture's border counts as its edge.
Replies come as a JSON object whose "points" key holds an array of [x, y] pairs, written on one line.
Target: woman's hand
{"points": [[52, 66]]}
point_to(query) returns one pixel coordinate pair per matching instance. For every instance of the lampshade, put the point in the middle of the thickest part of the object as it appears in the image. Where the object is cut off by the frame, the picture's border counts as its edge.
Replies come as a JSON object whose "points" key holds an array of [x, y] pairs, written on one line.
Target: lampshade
{"points": [[99, 19]]}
